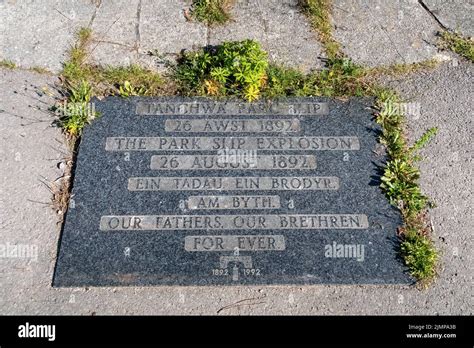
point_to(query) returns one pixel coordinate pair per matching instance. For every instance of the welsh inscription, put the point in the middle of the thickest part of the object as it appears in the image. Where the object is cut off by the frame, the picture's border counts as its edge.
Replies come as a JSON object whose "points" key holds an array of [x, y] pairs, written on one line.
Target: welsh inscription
{"points": [[233, 202], [232, 183], [231, 108]]}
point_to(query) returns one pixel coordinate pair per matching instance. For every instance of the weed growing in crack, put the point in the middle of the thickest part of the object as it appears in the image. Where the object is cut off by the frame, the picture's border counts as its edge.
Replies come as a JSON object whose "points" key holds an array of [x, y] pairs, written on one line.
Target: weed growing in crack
{"points": [[319, 13], [232, 68], [457, 43], [212, 12], [7, 64]]}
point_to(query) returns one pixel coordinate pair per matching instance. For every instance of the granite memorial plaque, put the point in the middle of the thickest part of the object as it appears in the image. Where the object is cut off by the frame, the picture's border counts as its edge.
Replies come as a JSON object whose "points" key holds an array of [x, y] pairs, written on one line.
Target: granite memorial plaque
{"points": [[181, 191]]}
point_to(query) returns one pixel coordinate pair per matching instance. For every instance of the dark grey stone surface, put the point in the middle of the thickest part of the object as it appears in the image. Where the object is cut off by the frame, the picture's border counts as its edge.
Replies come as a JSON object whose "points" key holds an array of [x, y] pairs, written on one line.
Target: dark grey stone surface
{"points": [[93, 251]]}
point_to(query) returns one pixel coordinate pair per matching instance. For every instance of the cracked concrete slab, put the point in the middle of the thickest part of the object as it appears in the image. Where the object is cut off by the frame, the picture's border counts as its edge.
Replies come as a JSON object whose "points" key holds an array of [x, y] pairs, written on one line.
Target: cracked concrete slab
{"points": [[454, 14], [125, 31], [38, 33], [164, 27], [114, 38], [30, 149], [384, 32], [25, 288], [280, 27]]}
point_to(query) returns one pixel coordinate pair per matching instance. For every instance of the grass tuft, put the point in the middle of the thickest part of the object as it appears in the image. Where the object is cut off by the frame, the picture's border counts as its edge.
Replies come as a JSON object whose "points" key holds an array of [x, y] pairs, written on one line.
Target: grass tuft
{"points": [[424, 139], [420, 255], [404, 68], [77, 111], [341, 78], [283, 81], [319, 14], [8, 64], [75, 68], [241, 68], [84, 35], [40, 70], [457, 43], [212, 12], [131, 80]]}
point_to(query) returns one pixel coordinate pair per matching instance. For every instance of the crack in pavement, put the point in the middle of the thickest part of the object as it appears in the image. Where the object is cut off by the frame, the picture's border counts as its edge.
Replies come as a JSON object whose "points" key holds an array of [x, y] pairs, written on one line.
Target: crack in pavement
{"points": [[385, 31], [115, 43], [244, 302], [422, 4], [137, 27], [208, 34], [89, 54], [96, 10]]}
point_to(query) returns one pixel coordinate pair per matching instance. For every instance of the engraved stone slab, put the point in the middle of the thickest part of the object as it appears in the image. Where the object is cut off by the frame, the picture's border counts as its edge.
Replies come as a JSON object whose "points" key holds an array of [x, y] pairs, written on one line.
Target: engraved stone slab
{"points": [[182, 191]]}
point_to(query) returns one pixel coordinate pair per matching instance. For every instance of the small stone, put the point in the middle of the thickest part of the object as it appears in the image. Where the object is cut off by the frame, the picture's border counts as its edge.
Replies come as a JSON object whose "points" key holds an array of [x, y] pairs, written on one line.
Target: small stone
{"points": [[62, 165]]}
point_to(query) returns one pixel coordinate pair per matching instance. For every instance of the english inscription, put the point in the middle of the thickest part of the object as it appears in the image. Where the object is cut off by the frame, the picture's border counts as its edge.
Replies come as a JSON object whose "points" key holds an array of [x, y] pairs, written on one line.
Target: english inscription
{"points": [[235, 242], [238, 143], [232, 222]]}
